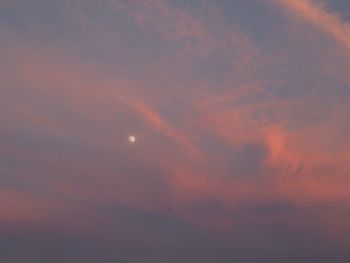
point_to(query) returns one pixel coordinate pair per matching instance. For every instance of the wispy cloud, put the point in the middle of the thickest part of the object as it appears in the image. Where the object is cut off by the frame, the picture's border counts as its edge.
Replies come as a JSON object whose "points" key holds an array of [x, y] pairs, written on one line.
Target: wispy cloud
{"points": [[234, 135]]}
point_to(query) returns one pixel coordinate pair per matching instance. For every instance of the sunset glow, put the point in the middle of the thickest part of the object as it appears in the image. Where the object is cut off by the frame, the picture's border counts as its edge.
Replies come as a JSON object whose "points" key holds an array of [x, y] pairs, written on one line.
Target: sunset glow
{"points": [[146, 131]]}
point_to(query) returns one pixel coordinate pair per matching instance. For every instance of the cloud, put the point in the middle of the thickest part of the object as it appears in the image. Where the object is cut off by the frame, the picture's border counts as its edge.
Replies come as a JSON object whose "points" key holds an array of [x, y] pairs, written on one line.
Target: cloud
{"points": [[317, 14], [238, 135]]}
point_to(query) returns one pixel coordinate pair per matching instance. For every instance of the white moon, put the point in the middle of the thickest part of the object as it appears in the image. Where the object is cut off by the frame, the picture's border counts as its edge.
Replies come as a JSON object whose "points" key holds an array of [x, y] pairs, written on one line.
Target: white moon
{"points": [[132, 138]]}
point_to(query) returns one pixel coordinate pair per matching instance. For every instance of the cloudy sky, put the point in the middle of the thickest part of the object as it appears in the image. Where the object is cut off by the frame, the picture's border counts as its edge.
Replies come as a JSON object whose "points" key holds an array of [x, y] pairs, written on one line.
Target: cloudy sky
{"points": [[241, 114]]}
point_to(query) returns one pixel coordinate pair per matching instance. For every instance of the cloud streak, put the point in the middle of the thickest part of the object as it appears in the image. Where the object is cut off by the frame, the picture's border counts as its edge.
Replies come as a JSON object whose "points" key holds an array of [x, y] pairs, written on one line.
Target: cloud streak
{"points": [[317, 14], [242, 138]]}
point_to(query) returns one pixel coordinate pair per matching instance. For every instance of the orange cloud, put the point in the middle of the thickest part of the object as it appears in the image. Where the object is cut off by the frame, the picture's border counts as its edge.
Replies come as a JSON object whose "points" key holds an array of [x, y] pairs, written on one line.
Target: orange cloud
{"points": [[241, 109], [318, 15]]}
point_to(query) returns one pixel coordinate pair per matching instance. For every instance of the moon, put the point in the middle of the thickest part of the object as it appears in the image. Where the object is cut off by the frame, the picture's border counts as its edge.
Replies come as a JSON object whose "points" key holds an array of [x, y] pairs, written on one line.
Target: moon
{"points": [[132, 139]]}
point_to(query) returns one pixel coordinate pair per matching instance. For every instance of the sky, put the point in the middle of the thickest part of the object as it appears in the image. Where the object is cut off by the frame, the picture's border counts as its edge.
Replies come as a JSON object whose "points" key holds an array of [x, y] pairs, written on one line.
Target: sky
{"points": [[241, 119]]}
